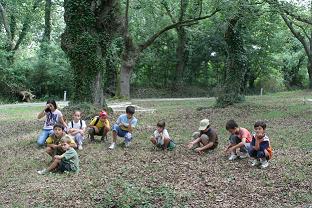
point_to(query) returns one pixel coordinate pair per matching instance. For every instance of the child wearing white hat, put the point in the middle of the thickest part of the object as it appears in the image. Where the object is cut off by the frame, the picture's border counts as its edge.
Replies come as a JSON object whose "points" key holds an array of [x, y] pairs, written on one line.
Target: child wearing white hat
{"points": [[205, 139]]}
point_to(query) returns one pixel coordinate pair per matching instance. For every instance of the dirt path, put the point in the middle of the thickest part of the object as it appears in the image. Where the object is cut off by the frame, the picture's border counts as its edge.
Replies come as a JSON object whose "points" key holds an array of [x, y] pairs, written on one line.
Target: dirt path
{"points": [[116, 106]]}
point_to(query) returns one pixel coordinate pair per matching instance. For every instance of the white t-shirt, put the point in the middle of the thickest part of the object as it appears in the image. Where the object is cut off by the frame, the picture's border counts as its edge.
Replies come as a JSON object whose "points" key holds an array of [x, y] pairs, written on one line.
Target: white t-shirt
{"points": [[163, 134], [51, 119], [77, 125]]}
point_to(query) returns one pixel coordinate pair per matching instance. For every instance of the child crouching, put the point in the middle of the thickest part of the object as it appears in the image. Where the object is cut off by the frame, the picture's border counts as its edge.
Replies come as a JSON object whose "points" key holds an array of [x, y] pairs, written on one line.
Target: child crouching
{"points": [[68, 161], [260, 148], [161, 137]]}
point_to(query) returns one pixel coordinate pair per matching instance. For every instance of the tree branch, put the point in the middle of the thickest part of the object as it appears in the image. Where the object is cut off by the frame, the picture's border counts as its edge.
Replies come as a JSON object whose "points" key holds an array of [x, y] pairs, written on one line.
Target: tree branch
{"points": [[168, 12], [297, 17], [26, 25], [147, 43], [297, 34], [6, 25]]}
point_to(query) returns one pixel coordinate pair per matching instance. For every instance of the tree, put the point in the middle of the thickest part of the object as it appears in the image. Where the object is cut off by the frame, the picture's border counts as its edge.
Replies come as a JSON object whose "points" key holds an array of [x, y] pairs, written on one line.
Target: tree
{"points": [[90, 29], [9, 21], [300, 24], [132, 50]]}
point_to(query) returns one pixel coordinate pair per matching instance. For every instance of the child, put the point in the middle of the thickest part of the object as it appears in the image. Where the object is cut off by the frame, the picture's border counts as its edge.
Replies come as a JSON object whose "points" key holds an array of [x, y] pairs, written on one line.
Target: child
{"points": [[240, 139], [68, 161], [53, 142], [99, 126], [260, 148], [53, 115], [161, 137], [77, 128], [206, 136], [124, 127]]}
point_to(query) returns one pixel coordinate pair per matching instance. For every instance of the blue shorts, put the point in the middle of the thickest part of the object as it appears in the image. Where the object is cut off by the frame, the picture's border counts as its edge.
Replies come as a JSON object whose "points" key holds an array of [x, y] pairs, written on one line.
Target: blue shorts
{"points": [[122, 133], [64, 166]]}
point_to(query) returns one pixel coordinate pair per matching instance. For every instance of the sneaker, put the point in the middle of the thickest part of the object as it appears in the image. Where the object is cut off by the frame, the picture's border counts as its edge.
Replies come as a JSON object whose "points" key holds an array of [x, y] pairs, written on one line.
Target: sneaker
{"points": [[104, 138], [233, 157], [243, 155], [80, 147], [113, 145], [264, 163], [255, 162], [127, 144], [42, 172]]}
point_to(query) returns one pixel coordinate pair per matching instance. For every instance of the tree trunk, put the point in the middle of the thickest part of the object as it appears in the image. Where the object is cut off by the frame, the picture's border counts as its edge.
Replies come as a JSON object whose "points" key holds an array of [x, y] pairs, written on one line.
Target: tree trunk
{"points": [[236, 65], [129, 59], [309, 67], [180, 56], [125, 74], [47, 21], [85, 41]]}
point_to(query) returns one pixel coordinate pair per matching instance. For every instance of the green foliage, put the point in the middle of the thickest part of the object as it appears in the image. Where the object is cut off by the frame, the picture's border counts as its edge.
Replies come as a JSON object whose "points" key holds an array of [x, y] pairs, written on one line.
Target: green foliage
{"points": [[88, 110], [228, 99], [122, 193]]}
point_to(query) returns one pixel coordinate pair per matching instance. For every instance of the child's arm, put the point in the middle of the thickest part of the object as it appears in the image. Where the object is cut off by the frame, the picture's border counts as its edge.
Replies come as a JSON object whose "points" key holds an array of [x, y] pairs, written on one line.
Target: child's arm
{"points": [[259, 139], [105, 126], [190, 145], [130, 129], [41, 114], [59, 156], [234, 147], [54, 146], [63, 122], [207, 146]]}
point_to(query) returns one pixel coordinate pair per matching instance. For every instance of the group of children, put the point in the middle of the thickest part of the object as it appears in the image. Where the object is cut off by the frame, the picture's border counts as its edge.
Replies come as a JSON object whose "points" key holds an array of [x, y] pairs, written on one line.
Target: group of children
{"points": [[61, 139]]}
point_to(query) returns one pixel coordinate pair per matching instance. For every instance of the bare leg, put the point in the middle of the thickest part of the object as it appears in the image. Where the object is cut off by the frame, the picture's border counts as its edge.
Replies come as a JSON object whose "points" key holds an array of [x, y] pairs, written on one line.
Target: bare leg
{"points": [[166, 143], [54, 164], [114, 136], [153, 140]]}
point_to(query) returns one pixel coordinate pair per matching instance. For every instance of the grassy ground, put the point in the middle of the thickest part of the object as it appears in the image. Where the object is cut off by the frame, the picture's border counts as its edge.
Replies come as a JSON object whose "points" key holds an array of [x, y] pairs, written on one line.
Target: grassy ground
{"points": [[142, 176]]}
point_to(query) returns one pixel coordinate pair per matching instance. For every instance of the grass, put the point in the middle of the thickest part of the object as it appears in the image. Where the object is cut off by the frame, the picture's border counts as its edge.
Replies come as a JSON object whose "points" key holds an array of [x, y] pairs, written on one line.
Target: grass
{"points": [[143, 176]]}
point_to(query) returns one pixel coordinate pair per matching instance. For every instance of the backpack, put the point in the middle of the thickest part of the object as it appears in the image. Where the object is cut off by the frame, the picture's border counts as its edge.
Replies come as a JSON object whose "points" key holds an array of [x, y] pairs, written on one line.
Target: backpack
{"points": [[96, 121], [72, 123]]}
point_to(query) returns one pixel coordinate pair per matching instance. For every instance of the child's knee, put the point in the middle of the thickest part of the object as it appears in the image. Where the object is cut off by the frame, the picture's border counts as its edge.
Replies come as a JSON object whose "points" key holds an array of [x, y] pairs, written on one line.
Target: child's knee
{"points": [[204, 138], [49, 150], [233, 139], [91, 131], [195, 135], [115, 128], [153, 140], [166, 140], [128, 136], [260, 154]]}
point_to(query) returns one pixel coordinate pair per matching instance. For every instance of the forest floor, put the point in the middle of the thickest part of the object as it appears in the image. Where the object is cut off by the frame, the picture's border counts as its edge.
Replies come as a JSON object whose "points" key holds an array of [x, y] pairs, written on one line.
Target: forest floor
{"points": [[142, 176]]}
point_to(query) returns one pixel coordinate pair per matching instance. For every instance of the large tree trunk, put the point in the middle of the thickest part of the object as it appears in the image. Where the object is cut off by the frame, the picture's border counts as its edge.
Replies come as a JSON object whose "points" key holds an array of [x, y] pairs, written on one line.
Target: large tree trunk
{"points": [[129, 59], [181, 56], [236, 65], [86, 40]]}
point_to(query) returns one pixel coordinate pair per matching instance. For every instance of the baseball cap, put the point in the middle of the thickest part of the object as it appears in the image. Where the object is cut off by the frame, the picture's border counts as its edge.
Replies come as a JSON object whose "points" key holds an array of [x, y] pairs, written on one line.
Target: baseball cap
{"points": [[103, 114], [203, 124]]}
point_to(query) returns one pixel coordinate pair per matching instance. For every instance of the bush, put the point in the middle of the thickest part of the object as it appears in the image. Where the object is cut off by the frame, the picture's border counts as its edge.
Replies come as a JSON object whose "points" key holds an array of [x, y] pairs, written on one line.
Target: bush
{"points": [[88, 110]]}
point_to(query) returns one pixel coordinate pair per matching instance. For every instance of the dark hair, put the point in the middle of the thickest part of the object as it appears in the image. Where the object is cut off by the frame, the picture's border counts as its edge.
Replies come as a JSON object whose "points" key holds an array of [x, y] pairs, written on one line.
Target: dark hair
{"points": [[161, 124], [53, 103], [260, 123], [130, 109], [59, 125], [231, 124]]}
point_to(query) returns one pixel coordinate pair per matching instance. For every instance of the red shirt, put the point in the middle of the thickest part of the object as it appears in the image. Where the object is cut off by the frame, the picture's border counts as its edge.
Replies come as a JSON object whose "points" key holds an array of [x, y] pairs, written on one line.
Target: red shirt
{"points": [[244, 133]]}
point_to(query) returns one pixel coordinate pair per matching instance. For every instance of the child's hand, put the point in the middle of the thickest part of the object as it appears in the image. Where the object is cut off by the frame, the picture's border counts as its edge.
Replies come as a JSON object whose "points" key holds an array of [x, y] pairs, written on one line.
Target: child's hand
{"points": [[229, 150], [57, 157], [190, 145], [199, 151]]}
